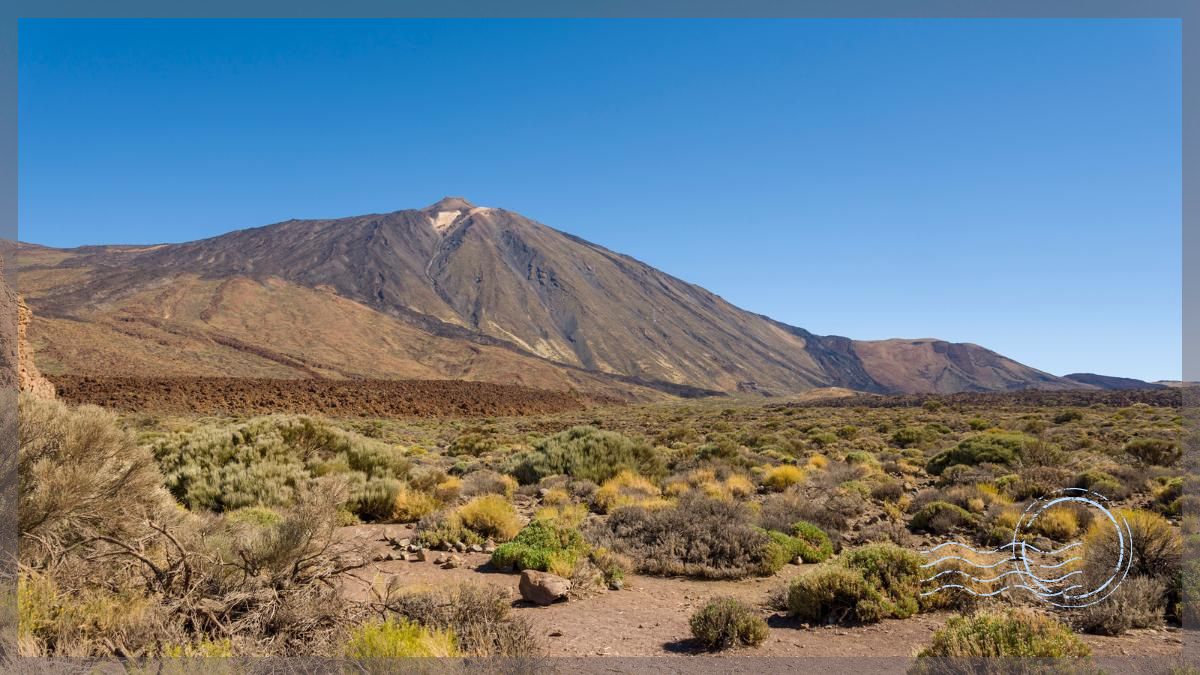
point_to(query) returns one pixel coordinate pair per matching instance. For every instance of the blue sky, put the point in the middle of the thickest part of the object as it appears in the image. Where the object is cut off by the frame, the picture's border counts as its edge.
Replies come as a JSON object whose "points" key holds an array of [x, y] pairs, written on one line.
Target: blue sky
{"points": [[1010, 183]]}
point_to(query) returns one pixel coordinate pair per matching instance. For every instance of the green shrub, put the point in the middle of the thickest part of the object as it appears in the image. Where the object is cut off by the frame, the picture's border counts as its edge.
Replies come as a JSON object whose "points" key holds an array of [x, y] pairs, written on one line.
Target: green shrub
{"points": [[807, 542], [1068, 416], [992, 447], [978, 424], [540, 545], [896, 572], [1102, 483], [727, 622], [1154, 451], [376, 499], [831, 593], [940, 517], [393, 639], [442, 529], [1014, 633], [266, 461], [472, 443], [907, 437], [586, 453], [868, 584]]}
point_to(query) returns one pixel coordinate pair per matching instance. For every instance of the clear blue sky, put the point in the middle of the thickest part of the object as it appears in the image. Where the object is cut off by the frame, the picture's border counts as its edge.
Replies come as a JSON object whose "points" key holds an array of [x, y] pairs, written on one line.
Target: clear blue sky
{"points": [[1010, 183]]}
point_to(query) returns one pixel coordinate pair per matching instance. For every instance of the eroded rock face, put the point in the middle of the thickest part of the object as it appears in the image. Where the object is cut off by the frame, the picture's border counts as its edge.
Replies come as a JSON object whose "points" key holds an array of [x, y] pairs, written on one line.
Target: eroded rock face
{"points": [[28, 377], [543, 588]]}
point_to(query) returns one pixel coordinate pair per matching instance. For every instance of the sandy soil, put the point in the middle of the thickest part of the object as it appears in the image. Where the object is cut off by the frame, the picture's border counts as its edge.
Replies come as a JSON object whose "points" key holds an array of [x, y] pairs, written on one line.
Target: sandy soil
{"points": [[649, 617]]}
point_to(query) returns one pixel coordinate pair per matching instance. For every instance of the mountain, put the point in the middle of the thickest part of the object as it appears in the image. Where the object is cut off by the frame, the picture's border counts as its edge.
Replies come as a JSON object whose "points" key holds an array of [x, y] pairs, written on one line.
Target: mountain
{"points": [[1110, 382], [449, 291]]}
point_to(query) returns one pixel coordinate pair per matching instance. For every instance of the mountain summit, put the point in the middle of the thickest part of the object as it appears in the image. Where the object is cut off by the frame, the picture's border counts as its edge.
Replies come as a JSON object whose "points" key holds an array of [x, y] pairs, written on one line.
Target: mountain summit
{"points": [[483, 294], [449, 204]]}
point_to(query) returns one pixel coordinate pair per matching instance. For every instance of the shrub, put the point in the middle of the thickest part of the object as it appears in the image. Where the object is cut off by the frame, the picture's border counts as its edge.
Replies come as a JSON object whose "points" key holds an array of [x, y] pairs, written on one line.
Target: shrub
{"points": [[411, 505], [865, 585], [993, 447], [1014, 633], [540, 545], [1136, 603], [699, 536], [907, 437], [1059, 524], [1068, 416], [1154, 451], [940, 517], [442, 529], [830, 593], [266, 461], [490, 516], [896, 572], [1168, 498], [782, 477], [471, 443], [1102, 483], [739, 486], [586, 453], [480, 617], [888, 490], [613, 567], [80, 476], [487, 482], [828, 508], [392, 639], [449, 489], [727, 622], [807, 542], [376, 500], [1156, 547], [624, 489]]}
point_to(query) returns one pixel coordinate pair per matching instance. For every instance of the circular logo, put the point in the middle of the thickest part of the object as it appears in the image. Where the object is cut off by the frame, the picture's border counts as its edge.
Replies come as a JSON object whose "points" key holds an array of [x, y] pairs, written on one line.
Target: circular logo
{"points": [[1040, 570]]}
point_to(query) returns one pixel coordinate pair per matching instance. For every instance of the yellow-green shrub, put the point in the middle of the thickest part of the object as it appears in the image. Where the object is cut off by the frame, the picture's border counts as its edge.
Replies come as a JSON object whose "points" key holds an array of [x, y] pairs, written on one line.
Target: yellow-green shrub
{"points": [[624, 489], [490, 516], [1015, 633], [393, 639], [782, 477], [1058, 524], [411, 505]]}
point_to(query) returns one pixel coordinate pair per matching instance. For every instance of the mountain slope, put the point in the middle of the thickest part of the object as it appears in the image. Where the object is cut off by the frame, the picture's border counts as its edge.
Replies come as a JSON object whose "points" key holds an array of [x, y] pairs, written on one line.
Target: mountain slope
{"points": [[548, 306]]}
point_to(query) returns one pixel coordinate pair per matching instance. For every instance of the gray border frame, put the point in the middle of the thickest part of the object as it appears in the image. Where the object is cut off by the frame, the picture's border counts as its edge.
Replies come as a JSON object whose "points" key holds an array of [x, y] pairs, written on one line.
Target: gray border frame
{"points": [[1184, 10]]}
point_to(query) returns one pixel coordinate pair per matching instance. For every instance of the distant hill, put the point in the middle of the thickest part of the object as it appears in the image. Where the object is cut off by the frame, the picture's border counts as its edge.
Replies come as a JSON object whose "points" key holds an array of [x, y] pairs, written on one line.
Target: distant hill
{"points": [[450, 291], [1109, 382]]}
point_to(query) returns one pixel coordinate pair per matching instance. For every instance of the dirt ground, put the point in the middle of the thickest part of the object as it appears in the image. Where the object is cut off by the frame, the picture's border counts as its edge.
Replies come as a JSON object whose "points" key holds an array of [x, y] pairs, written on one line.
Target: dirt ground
{"points": [[649, 617]]}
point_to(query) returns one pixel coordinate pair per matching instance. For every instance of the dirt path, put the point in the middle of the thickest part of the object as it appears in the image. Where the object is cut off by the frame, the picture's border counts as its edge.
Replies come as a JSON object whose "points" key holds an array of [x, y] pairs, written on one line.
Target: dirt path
{"points": [[650, 616]]}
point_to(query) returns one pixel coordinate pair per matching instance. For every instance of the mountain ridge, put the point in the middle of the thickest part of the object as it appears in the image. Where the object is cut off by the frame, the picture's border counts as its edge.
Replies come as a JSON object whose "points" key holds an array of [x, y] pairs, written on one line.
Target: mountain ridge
{"points": [[468, 278]]}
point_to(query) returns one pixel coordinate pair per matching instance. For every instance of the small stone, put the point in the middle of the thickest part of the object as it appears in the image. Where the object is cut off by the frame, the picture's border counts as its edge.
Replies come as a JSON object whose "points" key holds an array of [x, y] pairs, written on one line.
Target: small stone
{"points": [[414, 547], [460, 547], [378, 558], [555, 633], [454, 561], [616, 585], [420, 556], [476, 548], [489, 546], [440, 560], [403, 542]]}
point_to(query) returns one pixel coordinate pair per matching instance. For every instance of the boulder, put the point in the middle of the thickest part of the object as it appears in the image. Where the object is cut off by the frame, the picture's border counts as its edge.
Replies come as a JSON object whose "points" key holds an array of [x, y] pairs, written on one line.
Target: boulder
{"points": [[543, 588]]}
